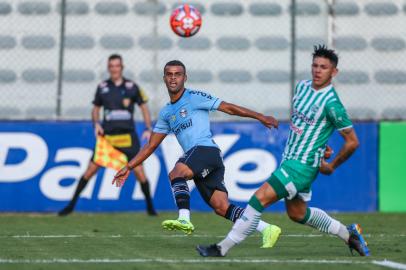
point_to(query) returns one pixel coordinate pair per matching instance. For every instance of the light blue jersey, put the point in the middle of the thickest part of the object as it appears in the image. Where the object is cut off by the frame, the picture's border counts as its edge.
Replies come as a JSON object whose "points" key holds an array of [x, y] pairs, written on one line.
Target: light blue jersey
{"points": [[188, 119]]}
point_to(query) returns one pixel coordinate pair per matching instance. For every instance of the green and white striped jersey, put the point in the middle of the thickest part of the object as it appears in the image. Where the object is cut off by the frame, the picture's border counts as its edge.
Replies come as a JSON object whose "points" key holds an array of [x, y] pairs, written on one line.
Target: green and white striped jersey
{"points": [[315, 115]]}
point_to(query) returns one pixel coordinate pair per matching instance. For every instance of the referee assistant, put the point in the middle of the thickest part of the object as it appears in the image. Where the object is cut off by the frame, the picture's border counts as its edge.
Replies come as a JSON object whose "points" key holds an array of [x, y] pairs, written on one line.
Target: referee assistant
{"points": [[117, 96]]}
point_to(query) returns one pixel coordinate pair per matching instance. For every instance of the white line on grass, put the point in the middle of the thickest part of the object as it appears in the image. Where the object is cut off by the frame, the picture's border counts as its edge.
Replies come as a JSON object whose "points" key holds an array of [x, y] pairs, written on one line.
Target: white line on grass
{"points": [[185, 261], [390, 264]]}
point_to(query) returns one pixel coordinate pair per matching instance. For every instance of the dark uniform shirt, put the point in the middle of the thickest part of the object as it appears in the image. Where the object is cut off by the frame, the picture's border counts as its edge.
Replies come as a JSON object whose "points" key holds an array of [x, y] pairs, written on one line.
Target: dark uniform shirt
{"points": [[118, 105]]}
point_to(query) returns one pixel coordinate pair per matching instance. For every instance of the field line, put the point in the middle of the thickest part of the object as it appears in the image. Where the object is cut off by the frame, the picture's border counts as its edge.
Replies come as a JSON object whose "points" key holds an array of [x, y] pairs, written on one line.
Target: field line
{"points": [[390, 264], [174, 261]]}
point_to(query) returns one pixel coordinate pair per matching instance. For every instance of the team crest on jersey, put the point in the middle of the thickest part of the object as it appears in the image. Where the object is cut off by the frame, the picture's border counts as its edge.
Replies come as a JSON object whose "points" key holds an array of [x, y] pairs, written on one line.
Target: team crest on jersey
{"points": [[129, 85], [126, 102], [314, 108], [183, 112]]}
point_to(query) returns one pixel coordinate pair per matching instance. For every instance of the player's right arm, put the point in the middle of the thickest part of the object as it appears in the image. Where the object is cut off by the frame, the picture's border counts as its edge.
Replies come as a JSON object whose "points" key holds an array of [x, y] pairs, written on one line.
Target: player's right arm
{"points": [[154, 141], [98, 130]]}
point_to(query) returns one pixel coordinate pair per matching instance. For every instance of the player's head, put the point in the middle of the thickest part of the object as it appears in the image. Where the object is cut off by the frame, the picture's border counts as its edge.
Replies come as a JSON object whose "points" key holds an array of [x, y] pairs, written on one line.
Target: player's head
{"points": [[175, 76], [324, 66], [115, 66]]}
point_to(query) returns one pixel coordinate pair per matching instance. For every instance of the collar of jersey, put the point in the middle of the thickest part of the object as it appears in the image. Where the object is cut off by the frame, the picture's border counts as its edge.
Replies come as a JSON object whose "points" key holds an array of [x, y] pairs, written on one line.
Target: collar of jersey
{"points": [[328, 87], [110, 81], [179, 97]]}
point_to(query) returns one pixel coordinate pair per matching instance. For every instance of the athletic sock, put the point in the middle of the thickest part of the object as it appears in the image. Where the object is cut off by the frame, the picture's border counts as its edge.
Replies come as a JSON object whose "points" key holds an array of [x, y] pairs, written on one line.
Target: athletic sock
{"points": [[181, 194], [320, 220], [79, 188], [244, 226], [147, 194], [235, 212]]}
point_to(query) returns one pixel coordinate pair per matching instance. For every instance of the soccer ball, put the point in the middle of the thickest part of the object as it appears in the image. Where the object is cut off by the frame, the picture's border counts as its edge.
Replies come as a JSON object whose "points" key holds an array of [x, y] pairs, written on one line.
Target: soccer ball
{"points": [[186, 20]]}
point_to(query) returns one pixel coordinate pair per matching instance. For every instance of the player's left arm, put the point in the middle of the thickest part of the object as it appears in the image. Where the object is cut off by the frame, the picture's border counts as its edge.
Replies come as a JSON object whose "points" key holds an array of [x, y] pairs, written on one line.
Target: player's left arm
{"points": [[351, 143], [233, 109]]}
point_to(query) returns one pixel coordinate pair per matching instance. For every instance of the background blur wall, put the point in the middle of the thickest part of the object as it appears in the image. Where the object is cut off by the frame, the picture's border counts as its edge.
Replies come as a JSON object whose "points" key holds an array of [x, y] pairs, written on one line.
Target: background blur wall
{"points": [[241, 54]]}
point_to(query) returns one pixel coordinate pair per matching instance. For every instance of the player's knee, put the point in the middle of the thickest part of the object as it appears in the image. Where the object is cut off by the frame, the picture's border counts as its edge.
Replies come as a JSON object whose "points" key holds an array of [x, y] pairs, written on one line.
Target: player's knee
{"points": [[296, 216], [220, 208]]}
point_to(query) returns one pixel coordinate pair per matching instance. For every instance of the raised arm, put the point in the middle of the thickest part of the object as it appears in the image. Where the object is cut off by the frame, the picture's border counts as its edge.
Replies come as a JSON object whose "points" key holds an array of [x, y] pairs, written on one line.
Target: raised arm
{"points": [[350, 145], [233, 109], [146, 151]]}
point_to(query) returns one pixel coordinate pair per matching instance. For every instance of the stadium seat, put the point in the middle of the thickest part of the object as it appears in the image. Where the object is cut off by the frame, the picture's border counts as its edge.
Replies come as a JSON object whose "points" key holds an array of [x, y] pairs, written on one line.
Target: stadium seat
{"points": [[40, 112], [7, 76], [117, 41], [74, 8], [265, 9], [233, 43], [381, 9], [227, 9], [38, 42], [5, 8], [111, 8], [38, 75], [394, 113], [307, 9], [197, 5], [272, 43], [78, 75], [7, 42], [152, 43], [9, 112], [360, 113], [199, 76], [79, 42], [273, 76], [308, 42], [150, 76], [149, 8], [345, 9], [195, 43], [388, 44], [235, 76], [350, 43], [352, 77], [34, 8], [390, 77], [78, 112]]}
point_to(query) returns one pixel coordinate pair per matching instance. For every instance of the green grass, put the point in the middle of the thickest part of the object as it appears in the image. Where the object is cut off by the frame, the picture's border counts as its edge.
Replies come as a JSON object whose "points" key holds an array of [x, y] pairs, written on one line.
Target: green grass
{"points": [[137, 236]]}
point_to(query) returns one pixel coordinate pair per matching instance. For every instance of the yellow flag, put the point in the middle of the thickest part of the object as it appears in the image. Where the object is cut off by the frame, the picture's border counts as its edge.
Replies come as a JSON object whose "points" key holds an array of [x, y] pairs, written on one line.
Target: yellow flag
{"points": [[107, 156]]}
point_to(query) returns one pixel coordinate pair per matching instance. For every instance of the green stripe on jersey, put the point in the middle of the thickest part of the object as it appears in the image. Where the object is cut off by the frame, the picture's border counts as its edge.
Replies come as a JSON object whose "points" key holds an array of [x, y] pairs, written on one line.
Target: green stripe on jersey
{"points": [[310, 123]]}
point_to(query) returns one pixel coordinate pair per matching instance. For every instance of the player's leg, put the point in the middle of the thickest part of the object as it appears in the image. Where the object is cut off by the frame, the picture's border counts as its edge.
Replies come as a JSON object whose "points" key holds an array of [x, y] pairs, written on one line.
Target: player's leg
{"points": [[142, 179], [220, 203], [89, 173], [245, 225], [178, 177], [299, 212]]}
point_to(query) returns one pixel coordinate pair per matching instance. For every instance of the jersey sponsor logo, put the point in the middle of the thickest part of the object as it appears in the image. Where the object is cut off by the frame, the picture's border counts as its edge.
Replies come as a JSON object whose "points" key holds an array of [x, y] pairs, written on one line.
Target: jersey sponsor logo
{"points": [[205, 173], [200, 93], [296, 129], [302, 117], [182, 127], [115, 115], [183, 112], [129, 85]]}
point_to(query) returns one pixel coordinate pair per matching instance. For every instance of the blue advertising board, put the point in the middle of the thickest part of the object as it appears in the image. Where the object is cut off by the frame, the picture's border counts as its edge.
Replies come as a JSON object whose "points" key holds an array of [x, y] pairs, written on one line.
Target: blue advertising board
{"points": [[40, 163]]}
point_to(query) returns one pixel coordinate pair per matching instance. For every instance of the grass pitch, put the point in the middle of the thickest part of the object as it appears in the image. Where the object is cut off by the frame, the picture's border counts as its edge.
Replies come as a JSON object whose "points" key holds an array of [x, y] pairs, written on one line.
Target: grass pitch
{"points": [[136, 241]]}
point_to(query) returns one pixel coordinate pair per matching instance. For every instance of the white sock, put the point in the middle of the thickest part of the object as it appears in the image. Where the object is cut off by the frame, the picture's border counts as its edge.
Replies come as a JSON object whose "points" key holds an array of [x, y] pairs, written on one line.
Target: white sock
{"points": [[184, 214], [244, 226], [262, 225], [323, 222]]}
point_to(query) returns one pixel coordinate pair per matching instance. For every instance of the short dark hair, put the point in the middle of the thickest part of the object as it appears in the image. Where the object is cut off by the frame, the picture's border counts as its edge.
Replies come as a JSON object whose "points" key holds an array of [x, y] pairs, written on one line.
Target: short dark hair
{"points": [[323, 51], [114, 57], [175, 63]]}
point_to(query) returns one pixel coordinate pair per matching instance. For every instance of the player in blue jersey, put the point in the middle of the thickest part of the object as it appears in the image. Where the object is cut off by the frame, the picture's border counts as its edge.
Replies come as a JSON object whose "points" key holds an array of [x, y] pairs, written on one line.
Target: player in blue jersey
{"points": [[187, 116]]}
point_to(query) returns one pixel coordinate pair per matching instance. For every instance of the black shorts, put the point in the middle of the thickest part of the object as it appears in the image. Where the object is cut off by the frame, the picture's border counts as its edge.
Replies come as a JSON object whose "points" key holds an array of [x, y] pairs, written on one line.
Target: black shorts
{"points": [[131, 151], [208, 169]]}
